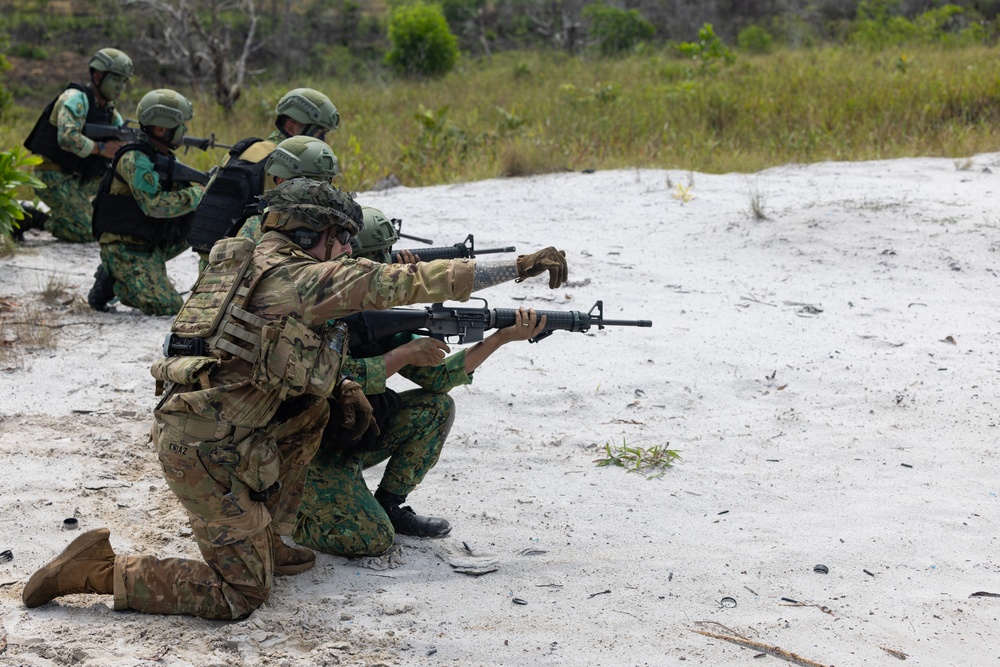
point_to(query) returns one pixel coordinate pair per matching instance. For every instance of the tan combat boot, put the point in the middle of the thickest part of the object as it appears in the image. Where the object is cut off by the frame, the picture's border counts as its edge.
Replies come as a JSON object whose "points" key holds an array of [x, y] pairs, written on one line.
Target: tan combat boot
{"points": [[291, 560], [87, 565]]}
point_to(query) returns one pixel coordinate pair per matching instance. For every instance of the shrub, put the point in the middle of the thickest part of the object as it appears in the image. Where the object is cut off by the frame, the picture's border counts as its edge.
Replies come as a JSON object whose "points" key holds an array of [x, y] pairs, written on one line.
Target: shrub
{"points": [[422, 43], [708, 50], [5, 97], [13, 175], [616, 30], [755, 39]]}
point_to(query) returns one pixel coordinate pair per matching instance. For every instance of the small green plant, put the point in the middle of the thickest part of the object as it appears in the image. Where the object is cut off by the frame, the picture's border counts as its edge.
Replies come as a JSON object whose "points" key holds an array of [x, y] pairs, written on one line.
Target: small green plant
{"points": [[708, 50], [616, 30], [14, 175], [639, 459], [422, 43]]}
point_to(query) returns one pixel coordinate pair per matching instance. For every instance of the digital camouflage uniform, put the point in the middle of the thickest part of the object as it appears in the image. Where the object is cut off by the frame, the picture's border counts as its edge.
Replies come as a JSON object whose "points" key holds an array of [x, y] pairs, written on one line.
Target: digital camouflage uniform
{"points": [[139, 266], [68, 195], [234, 533], [339, 515]]}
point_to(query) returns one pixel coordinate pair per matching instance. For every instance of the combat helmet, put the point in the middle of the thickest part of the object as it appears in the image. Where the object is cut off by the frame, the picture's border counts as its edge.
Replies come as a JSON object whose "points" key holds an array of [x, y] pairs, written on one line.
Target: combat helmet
{"points": [[111, 60], [375, 241], [116, 68], [302, 209], [164, 108], [302, 156], [309, 107]]}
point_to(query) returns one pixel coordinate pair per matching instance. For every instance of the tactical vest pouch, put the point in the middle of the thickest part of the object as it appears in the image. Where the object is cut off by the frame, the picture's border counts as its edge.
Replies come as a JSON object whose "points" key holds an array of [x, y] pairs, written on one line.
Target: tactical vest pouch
{"points": [[259, 461], [295, 361], [182, 370], [217, 285]]}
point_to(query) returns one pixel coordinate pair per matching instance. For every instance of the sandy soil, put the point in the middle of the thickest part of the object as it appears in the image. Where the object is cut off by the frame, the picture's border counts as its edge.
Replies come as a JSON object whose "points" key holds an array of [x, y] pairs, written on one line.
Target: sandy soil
{"points": [[829, 375]]}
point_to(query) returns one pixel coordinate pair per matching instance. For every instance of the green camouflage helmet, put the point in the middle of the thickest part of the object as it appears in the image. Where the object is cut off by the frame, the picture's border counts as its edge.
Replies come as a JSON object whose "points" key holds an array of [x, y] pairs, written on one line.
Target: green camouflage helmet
{"points": [[375, 241], [309, 107], [302, 203], [164, 108], [303, 156], [111, 60]]}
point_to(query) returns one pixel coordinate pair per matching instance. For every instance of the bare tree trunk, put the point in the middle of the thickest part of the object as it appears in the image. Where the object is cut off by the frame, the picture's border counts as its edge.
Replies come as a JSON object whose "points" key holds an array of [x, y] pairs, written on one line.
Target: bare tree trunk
{"points": [[197, 37]]}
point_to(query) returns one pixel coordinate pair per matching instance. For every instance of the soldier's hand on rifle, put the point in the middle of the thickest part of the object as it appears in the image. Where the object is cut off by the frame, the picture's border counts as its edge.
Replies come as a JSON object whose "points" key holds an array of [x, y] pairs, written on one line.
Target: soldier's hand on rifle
{"points": [[357, 411], [406, 257], [110, 148], [537, 263], [423, 351], [526, 325]]}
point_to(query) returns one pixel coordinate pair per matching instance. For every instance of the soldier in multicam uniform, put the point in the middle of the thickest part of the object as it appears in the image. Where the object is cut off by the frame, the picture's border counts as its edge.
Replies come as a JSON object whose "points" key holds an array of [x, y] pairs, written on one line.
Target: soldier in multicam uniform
{"points": [[72, 164], [141, 216], [338, 514], [259, 387]]}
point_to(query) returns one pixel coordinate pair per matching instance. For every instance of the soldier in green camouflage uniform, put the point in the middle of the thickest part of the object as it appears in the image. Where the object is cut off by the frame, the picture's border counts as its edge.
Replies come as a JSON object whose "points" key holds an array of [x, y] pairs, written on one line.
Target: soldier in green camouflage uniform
{"points": [[302, 113], [141, 215], [295, 157], [72, 164], [338, 514], [261, 388]]}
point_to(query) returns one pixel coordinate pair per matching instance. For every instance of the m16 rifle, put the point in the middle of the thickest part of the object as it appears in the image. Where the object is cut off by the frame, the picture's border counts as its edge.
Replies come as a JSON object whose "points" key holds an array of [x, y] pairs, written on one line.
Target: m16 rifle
{"points": [[128, 134], [466, 325], [175, 170], [464, 250]]}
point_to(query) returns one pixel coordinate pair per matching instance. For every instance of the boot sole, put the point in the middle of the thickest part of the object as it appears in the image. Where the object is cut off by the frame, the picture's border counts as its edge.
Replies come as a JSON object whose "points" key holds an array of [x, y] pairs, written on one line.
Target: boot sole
{"points": [[82, 543], [298, 568]]}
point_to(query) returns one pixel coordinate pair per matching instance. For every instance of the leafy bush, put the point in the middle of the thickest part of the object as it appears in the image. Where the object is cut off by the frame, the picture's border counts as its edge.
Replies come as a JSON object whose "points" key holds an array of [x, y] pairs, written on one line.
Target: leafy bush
{"points": [[755, 39], [708, 50], [13, 175], [616, 30], [422, 43], [5, 97], [879, 25]]}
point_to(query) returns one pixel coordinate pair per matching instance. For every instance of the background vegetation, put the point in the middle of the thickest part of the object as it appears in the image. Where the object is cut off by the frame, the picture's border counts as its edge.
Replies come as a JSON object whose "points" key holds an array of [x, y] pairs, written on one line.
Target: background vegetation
{"points": [[540, 87]]}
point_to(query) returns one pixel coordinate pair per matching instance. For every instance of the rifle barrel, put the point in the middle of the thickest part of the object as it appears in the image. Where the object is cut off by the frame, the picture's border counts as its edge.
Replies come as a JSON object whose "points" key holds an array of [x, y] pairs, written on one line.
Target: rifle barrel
{"points": [[492, 251], [627, 323]]}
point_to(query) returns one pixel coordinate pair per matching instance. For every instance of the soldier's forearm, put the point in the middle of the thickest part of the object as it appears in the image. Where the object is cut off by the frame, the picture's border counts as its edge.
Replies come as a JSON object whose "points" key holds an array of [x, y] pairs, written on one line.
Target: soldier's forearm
{"points": [[488, 274]]}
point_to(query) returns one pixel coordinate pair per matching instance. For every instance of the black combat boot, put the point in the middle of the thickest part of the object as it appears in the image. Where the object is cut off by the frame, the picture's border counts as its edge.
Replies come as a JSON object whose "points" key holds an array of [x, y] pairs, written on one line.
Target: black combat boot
{"points": [[102, 291], [33, 219], [407, 522]]}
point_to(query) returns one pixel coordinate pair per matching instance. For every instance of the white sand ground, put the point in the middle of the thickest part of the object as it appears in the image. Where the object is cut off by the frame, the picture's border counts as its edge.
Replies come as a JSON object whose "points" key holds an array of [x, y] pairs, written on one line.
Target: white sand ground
{"points": [[829, 375]]}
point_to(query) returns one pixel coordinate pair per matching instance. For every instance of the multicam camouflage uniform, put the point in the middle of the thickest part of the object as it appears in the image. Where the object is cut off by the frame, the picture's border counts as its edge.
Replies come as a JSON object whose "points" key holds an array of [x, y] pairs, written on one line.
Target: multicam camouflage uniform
{"points": [[338, 514], [69, 195], [139, 266], [234, 533]]}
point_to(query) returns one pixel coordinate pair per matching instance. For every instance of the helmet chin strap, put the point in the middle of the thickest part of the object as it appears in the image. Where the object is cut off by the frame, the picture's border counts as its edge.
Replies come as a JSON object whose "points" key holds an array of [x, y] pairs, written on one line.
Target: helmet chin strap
{"points": [[331, 238]]}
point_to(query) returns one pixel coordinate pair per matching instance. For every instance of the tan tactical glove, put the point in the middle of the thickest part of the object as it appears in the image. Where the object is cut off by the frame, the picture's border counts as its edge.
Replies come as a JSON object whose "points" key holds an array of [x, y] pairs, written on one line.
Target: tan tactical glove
{"points": [[537, 263], [357, 411]]}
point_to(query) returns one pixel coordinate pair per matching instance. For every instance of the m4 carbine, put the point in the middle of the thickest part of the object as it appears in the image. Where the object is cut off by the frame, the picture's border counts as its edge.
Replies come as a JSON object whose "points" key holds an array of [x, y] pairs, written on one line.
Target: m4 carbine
{"points": [[464, 250], [129, 135], [466, 325]]}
